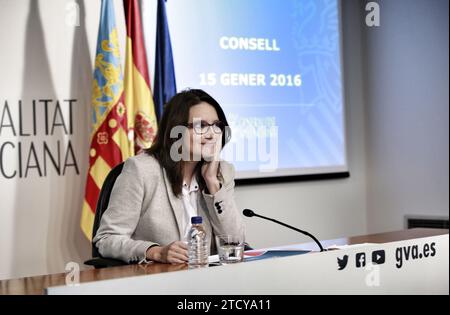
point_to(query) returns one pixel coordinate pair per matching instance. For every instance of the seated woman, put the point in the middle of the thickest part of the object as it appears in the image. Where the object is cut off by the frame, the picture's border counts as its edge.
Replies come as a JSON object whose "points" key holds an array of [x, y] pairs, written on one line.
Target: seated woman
{"points": [[179, 177]]}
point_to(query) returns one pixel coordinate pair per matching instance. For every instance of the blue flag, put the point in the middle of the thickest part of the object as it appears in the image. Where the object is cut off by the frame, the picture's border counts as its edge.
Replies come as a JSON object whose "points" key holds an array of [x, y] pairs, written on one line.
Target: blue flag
{"points": [[165, 85]]}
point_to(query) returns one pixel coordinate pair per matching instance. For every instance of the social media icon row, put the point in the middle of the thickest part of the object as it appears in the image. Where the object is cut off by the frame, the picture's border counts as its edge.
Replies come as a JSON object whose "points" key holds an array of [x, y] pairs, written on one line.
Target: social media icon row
{"points": [[378, 258]]}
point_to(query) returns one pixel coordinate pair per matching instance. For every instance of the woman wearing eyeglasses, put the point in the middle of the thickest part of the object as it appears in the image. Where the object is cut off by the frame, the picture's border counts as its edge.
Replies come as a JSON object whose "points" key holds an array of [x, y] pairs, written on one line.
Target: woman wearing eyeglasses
{"points": [[179, 177]]}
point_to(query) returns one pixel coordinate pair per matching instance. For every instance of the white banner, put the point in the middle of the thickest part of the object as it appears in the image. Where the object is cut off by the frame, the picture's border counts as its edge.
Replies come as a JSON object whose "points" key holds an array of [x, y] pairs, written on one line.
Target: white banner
{"points": [[419, 266]]}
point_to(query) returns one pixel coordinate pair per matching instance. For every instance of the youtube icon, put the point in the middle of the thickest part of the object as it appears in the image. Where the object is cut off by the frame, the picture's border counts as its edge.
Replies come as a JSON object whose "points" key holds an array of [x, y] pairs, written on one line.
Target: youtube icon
{"points": [[379, 257]]}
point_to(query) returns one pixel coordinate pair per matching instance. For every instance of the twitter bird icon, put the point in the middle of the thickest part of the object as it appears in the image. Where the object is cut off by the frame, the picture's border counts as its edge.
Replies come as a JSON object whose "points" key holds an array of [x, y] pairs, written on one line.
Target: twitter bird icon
{"points": [[342, 262]]}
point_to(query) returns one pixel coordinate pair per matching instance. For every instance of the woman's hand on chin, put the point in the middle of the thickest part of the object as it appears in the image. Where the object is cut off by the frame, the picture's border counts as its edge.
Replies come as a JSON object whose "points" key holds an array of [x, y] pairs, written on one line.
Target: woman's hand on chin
{"points": [[210, 169], [209, 173]]}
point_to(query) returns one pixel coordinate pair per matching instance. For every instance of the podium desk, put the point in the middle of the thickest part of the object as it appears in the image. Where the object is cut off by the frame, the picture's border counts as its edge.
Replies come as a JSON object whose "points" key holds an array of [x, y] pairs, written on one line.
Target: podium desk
{"points": [[368, 243]]}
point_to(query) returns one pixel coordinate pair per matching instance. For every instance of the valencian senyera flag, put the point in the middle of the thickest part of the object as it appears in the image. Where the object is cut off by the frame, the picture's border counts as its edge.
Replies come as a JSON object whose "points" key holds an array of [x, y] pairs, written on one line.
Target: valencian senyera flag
{"points": [[138, 94], [165, 84], [110, 143]]}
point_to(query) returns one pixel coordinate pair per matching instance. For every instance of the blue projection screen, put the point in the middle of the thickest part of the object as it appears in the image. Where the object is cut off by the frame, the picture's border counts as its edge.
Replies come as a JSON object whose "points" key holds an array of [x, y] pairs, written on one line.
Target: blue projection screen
{"points": [[276, 68]]}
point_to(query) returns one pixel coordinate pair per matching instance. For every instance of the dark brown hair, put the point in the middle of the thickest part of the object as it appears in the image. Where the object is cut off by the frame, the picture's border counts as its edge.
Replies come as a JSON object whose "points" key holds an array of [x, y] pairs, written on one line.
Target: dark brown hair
{"points": [[176, 113]]}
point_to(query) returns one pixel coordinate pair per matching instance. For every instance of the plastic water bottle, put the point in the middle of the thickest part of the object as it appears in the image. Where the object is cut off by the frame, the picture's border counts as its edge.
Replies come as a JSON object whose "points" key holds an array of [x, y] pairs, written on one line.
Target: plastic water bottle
{"points": [[197, 244]]}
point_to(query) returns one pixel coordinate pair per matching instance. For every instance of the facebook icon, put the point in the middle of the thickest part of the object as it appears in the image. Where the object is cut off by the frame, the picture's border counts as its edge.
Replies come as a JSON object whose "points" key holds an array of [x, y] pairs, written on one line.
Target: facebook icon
{"points": [[360, 260]]}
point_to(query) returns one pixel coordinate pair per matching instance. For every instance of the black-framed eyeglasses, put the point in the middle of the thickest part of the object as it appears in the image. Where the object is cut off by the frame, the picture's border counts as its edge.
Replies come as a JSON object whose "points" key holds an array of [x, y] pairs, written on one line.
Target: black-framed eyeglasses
{"points": [[202, 127]]}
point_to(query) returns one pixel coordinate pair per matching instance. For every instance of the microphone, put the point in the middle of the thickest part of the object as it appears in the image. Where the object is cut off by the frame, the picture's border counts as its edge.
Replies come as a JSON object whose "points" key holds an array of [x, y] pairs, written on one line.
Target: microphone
{"points": [[249, 213]]}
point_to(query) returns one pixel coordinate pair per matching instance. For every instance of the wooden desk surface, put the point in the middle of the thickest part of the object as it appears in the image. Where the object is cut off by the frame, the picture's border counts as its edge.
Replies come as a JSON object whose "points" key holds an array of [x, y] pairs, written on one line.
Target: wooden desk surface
{"points": [[37, 285]]}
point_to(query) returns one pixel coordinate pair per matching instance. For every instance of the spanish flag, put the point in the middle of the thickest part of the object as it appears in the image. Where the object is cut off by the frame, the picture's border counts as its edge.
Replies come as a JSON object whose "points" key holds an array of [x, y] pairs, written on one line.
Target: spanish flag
{"points": [[138, 94], [109, 144]]}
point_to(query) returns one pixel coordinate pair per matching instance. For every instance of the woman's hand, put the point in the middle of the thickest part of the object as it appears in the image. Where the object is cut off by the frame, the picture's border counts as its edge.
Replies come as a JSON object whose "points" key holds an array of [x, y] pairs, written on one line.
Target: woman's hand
{"points": [[210, 169], [209, 173], [174, 253]]}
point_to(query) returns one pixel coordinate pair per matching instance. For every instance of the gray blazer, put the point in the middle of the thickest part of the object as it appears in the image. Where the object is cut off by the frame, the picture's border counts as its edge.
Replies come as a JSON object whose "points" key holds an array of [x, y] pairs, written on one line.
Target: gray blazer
{"points": [[143, 211]]}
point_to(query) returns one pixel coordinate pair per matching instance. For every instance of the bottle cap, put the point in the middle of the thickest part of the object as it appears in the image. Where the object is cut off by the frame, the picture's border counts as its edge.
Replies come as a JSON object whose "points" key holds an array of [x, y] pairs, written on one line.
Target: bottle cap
{"points": [[196, 220]]}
